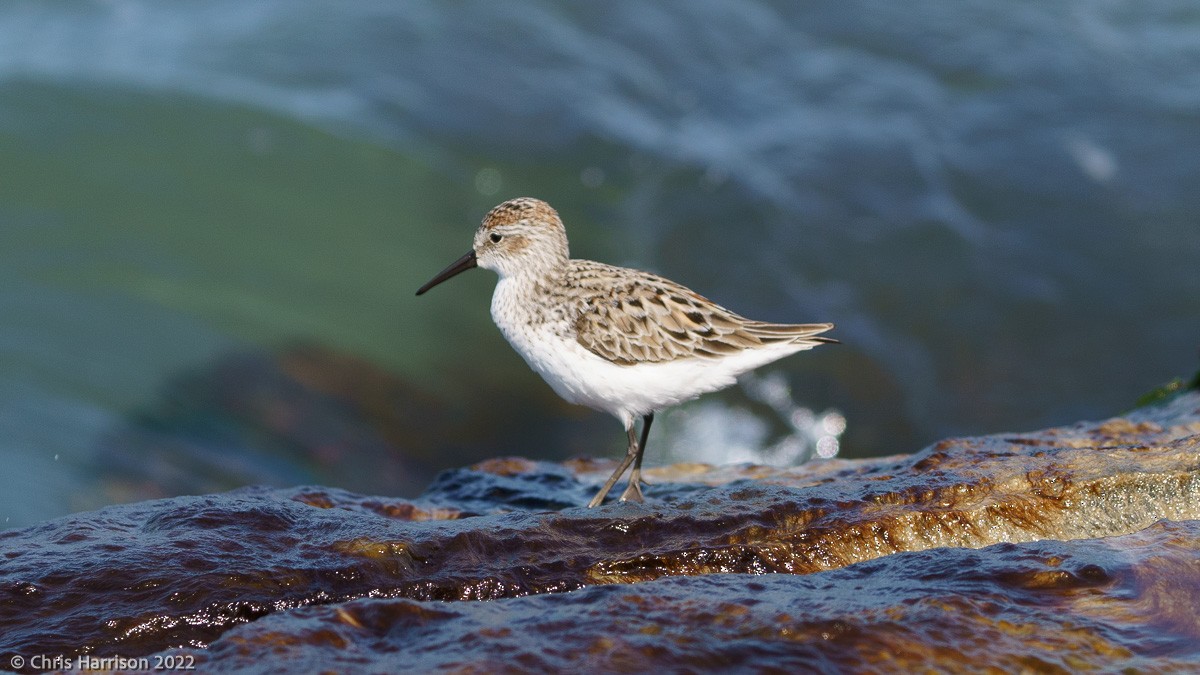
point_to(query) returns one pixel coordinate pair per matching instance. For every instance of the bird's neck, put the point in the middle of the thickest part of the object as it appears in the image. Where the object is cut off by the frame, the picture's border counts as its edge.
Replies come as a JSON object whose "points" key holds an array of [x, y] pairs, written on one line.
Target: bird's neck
{"points": [[527, 298], [528, 279]]}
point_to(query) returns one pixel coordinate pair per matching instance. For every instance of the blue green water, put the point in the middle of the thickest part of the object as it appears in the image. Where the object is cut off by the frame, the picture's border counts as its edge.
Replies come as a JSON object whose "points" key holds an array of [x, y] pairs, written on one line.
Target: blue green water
{"points": [[996, 203]]}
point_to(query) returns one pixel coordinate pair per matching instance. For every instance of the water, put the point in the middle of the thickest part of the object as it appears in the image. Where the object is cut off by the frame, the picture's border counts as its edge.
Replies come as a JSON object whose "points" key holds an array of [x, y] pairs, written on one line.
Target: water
{"points": [[995, 203]]}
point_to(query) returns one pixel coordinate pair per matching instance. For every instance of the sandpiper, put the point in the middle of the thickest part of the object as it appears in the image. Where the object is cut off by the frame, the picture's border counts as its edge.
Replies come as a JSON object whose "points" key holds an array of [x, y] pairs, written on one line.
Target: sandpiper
{"points": [[620, 340]]}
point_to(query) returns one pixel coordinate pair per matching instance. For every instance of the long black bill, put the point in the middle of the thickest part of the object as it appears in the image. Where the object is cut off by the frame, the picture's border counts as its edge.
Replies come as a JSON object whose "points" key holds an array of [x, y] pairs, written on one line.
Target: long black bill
{"points": [[457, 267]]}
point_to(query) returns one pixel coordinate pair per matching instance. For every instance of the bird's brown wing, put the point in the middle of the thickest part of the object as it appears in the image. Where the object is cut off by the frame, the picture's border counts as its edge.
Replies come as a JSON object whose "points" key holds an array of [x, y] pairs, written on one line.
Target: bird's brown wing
{"points": [[640, 318]]}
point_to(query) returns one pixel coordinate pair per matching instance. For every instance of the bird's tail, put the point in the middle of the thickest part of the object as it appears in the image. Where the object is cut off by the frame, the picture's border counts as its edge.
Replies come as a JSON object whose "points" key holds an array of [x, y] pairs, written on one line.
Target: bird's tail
{"points": [[795, 333]]}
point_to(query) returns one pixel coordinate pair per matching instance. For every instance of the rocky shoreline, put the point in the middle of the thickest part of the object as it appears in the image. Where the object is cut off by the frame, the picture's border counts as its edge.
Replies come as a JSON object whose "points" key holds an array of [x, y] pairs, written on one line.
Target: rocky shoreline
{"points": [[1069, 548]]}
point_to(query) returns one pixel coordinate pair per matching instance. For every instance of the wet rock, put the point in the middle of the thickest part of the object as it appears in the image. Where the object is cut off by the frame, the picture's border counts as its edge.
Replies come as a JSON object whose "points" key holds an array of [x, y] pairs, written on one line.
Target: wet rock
{"points": [[302, 563], [1050, 606]]}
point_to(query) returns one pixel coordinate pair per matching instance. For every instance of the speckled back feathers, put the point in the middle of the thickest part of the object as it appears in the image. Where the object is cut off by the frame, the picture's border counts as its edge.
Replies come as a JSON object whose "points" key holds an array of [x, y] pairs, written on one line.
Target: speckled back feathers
{"points": [[628, 317]]}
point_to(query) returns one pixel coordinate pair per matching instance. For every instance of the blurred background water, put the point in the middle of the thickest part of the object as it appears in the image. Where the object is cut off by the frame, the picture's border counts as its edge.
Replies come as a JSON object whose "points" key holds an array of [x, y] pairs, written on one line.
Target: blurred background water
{"points": [[213, 217]]}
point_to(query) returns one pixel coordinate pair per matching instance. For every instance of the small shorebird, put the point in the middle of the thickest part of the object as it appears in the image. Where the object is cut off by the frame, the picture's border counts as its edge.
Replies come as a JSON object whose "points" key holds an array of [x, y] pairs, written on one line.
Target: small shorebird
{"points": [[619, 340]]}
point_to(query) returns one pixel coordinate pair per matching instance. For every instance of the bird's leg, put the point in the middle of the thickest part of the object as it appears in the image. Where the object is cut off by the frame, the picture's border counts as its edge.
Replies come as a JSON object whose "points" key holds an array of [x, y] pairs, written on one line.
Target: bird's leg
{"points": [[630, 453], [633, 493]]}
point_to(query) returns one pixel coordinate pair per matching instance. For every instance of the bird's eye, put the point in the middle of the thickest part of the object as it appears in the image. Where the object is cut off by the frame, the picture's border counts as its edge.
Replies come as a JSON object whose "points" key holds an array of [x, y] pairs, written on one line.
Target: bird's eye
{"points": [[496, 238]]}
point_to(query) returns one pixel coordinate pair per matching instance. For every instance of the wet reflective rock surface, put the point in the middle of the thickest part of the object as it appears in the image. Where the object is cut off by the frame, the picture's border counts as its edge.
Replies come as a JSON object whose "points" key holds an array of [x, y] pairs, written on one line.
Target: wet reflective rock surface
{"points": [[1039, 607], [1061, 549]]}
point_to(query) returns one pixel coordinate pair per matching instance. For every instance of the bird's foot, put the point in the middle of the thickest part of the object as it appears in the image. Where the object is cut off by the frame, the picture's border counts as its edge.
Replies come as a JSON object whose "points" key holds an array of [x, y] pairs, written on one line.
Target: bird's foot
{"points": [[633, 493]]}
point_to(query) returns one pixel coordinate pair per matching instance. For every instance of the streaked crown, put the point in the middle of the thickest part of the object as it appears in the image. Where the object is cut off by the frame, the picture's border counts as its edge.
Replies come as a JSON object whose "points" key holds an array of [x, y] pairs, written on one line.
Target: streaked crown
{"points": [[516, 210], [523, 235]]}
